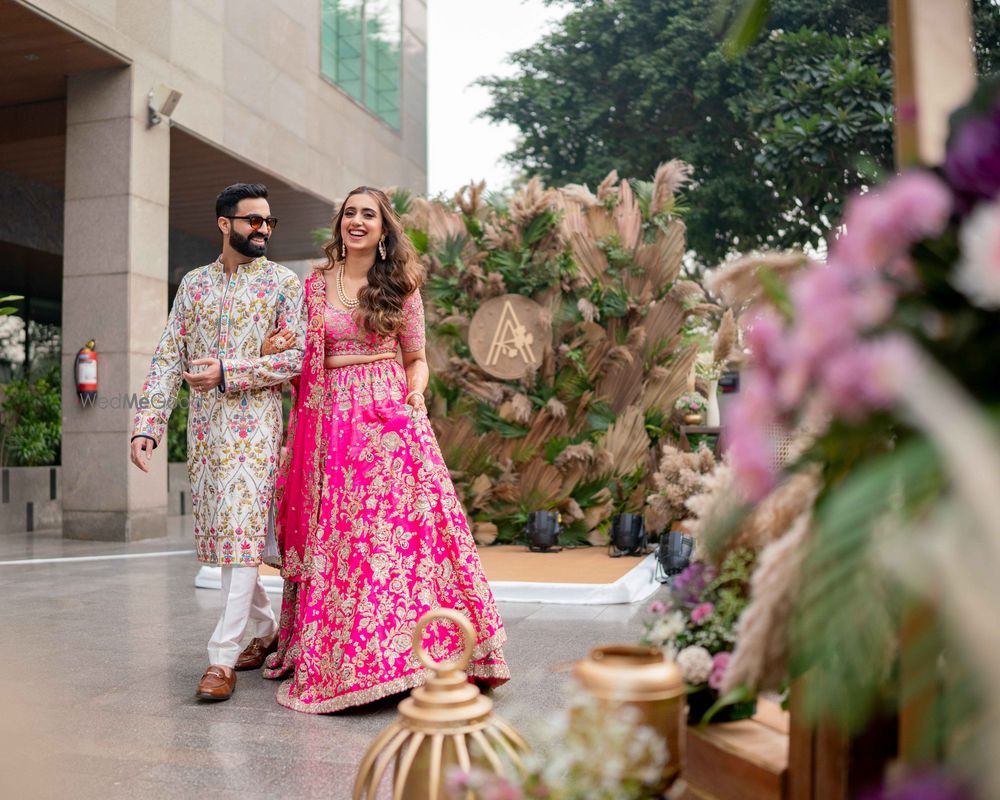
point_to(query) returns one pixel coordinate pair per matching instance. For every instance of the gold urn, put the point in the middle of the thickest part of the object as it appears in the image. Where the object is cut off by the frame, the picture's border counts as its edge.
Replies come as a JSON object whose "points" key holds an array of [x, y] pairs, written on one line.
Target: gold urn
{"points": [[643, 678], [445, 723]]}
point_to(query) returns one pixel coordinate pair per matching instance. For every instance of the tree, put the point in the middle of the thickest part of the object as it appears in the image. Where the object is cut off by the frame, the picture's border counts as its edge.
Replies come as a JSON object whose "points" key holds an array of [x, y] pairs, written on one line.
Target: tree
{"points": [[775, 136]]}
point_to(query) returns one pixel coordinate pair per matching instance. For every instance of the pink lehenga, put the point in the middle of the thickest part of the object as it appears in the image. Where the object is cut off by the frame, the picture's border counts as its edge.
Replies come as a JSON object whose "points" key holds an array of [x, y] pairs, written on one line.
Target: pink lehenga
{"points": [[370, 530]]}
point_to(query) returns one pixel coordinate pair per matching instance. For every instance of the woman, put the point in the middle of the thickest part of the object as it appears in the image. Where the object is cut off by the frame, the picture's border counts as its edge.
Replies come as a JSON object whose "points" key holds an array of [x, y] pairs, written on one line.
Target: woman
{"points": [[370, 529]]}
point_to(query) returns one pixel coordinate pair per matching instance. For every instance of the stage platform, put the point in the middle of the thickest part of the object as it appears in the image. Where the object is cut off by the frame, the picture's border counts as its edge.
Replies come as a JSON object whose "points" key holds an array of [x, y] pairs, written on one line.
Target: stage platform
{"points": [[573, 576]]}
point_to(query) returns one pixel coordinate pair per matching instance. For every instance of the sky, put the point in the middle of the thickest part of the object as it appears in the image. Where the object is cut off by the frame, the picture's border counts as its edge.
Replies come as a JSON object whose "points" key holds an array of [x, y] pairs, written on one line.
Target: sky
{"points": [[466, 40]]}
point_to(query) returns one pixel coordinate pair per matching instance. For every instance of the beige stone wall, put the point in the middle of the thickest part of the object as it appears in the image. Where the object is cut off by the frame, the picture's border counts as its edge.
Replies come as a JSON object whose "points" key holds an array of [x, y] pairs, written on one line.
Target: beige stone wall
{"points": [[249, 71]]}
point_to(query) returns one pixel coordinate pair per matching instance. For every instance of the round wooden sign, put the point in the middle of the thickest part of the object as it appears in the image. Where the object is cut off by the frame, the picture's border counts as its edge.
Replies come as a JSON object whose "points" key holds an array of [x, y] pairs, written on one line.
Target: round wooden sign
{"points": [[508, 336]]}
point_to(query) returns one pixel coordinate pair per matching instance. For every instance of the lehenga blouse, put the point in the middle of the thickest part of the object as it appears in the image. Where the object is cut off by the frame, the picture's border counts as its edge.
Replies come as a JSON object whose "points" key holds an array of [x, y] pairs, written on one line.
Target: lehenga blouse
{"points": [[345, 338]]}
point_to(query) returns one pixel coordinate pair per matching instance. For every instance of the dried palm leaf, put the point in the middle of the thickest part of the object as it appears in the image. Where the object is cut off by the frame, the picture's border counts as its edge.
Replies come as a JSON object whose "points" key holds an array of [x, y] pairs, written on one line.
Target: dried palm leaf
{"points": [[626, 441], [540, 485], [600, 223], [463, 448], [570, 510], [638, 288], [579, 194], [599, 510], [544, 428], [738, 282], [591, 260], [668, 180], [725, 339], [621, 383], [606, 188], [661, 259], [628, 217], [687, 293], [593, 341], [662, 324], [574, 219], [665, 384]]}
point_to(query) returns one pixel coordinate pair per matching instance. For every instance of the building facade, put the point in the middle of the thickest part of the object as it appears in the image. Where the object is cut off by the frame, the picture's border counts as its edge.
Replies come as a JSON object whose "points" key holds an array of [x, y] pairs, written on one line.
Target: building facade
{"points": [[106, 206]]}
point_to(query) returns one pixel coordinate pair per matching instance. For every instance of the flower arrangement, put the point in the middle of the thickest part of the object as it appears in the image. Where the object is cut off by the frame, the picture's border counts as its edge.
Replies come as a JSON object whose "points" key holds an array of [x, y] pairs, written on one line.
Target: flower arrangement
{"points": [[691, 403], [696, 627], [886, 354], [594, 753]]}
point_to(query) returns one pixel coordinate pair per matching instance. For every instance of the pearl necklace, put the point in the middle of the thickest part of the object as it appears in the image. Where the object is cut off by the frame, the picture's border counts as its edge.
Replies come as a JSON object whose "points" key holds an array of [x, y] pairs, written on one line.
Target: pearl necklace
{"points": [[341, 294]]}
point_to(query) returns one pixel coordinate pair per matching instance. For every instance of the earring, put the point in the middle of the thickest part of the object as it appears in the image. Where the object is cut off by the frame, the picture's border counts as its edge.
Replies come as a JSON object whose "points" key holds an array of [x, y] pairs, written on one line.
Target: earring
{"points": [[381, 247], [343, 249]]}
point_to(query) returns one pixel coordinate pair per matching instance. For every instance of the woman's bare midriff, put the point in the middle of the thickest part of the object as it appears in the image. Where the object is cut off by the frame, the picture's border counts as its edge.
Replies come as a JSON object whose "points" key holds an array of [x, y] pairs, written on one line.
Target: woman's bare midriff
{"points": [[332, 362]]}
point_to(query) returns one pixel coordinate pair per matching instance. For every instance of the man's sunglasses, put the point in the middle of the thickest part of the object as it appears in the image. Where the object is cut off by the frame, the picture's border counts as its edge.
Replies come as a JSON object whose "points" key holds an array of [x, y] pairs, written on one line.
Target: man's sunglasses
{"points": [[256, 220]]}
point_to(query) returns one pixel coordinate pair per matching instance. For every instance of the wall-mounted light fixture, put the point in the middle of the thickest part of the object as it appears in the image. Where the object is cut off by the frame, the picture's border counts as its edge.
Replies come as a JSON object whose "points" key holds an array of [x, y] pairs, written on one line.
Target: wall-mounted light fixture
{"points": [[162, 102]]}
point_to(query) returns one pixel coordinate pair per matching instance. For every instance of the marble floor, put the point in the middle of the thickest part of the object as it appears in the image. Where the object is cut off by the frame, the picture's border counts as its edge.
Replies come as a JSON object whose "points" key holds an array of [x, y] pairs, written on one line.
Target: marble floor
{"points": [[101, 655]]}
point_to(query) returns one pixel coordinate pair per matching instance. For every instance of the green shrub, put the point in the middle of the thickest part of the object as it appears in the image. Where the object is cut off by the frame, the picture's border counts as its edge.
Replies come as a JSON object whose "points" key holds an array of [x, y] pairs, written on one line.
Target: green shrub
{"points": [[31, 422], [177, 426]]}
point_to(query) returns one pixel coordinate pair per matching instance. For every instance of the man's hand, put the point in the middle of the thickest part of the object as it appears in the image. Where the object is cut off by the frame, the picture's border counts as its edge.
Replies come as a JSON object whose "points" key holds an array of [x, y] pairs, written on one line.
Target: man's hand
{"points": [[277, 342], [208, 378], [142, 451]]}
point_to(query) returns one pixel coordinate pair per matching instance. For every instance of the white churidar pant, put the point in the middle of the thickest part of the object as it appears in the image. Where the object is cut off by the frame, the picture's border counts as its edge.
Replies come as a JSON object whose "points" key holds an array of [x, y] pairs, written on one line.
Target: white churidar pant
{"points": [[245, 608]]}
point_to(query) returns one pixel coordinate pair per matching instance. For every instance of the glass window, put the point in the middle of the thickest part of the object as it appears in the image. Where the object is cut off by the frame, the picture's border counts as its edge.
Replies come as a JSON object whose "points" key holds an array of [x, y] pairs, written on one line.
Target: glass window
{"points": [[361, 52]]}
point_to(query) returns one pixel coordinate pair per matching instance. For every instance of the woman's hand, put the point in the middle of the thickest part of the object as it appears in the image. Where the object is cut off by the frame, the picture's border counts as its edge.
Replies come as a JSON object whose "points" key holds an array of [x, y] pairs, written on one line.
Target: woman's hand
{"points": [[416, 401], [277, 342]]}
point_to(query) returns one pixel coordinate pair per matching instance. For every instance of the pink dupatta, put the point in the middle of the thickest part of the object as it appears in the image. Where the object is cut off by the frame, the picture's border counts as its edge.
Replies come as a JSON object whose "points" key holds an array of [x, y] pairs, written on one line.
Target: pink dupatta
{"points": [[297, 490]]}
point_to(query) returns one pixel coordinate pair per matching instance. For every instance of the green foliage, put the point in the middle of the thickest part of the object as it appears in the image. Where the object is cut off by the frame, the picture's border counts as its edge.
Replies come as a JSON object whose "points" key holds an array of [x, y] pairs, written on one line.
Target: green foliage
{"points": [[845, 629], [177, 426], [777, 137], [31, 422], [8, 310]]}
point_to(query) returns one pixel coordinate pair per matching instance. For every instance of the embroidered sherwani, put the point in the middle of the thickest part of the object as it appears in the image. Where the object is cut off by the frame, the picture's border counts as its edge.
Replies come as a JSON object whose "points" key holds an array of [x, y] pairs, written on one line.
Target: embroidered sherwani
{"points": [[234, 432]]}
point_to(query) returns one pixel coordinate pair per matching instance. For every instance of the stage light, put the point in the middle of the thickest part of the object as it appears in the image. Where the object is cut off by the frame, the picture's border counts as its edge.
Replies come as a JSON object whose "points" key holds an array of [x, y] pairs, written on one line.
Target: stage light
{"points": [[628, 536], [542, 531], [673, 554]]}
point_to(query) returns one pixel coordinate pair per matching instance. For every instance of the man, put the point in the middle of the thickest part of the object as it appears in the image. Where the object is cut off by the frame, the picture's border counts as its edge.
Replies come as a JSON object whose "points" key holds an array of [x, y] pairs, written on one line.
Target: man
{"points": [[220, 319]]}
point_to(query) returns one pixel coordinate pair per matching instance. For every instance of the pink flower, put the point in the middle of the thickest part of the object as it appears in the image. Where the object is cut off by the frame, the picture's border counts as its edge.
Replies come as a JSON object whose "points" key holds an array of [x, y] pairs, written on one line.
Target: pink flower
{"points": [[866, 377], [765, 337], [747, 429], [657, 607], [702, 611], [720, 663], [884, 222]]}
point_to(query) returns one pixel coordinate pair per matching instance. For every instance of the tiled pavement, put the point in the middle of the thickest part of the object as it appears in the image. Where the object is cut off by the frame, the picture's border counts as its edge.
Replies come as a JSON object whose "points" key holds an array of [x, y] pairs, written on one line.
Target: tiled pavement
{"points": [[100, 658]]}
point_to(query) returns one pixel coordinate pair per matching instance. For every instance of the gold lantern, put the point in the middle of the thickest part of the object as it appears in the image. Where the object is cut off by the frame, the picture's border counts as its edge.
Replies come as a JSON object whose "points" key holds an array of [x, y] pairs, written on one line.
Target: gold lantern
{"points": [[436, 725], [642, 678]]}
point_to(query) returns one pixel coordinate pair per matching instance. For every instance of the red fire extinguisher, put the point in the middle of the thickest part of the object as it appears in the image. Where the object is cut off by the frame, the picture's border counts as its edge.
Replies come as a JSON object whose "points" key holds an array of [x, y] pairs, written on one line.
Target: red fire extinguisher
{"points": [[86, 373]]}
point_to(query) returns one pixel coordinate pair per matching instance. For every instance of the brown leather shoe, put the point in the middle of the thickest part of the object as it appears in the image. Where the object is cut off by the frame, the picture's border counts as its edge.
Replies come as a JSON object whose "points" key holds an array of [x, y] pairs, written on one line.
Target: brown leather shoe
{"points": [[253, 656], [216, 684]]}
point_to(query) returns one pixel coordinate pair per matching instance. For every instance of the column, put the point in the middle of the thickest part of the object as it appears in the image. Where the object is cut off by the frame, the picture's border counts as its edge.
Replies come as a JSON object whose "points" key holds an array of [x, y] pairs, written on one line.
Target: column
{"points": [[115, 292]]}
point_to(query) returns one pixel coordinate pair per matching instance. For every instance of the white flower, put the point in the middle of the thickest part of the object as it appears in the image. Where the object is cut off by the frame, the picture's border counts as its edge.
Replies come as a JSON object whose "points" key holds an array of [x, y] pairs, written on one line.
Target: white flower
{"points": [[665, 629], [977, 274], [695, 664]]}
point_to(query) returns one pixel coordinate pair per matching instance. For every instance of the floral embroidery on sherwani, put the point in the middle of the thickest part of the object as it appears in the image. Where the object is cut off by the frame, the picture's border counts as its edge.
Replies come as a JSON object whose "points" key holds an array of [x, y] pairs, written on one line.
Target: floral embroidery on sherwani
{"points": [[370, 528], [234, 433]]}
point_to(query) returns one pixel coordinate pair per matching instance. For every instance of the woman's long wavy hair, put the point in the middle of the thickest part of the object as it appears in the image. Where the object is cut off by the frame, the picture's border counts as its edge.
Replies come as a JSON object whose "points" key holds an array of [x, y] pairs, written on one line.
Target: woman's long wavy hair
{"points": [[390, 280]]}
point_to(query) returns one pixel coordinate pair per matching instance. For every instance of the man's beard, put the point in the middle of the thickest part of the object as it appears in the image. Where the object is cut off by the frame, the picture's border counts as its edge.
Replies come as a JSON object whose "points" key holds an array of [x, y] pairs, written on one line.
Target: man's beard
{"points": [[243, 245]]}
